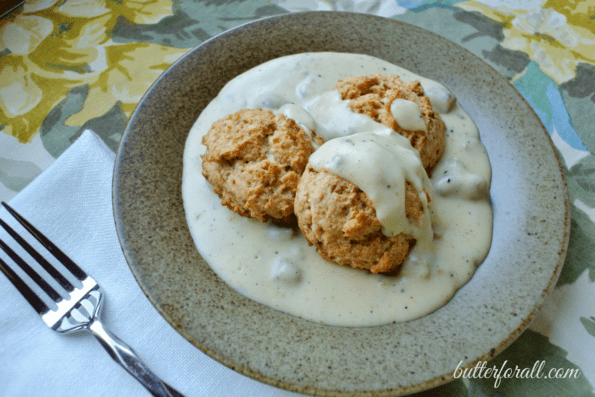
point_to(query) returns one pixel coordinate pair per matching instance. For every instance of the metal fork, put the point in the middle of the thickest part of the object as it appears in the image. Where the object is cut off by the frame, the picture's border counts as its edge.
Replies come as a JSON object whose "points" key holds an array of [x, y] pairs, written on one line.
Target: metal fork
{"points": [[81, 312]]}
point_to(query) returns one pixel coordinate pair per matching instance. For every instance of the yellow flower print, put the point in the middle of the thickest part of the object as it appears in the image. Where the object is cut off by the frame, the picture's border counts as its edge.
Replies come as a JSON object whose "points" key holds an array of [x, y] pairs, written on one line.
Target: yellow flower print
{"points": [[55, 46], [18, 92], [25, 33], [132, 68], [558, 35], [137, 11], [37, 5], [22, 98], [83, 8], [142, 11], [75, 55]]}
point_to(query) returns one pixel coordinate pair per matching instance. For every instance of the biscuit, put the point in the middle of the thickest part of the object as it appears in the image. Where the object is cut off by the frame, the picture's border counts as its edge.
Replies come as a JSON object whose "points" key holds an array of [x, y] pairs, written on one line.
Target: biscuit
{"points": [[340, 220], [254, 160], [373, 95]]}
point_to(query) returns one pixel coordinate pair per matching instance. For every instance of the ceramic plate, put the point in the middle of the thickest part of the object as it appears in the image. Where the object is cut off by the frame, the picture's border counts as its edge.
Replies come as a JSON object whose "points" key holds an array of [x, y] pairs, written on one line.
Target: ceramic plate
{"points": [[530, 203]]}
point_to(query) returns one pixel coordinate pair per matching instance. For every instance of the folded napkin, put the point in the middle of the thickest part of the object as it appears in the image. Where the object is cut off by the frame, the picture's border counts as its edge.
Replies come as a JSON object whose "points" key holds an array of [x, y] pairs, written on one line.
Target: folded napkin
{"points": [[71, 204]]}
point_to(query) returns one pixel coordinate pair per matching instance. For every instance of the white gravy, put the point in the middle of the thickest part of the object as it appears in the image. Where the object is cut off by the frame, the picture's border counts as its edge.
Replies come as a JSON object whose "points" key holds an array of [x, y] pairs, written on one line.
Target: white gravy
{"points": [[379, 163], [277, 268]]}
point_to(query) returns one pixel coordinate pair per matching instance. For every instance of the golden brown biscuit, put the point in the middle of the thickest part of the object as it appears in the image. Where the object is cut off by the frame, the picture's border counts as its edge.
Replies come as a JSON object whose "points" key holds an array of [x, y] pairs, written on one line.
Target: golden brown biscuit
{"points": [[340, 219], [373, 95], [254, 160]]}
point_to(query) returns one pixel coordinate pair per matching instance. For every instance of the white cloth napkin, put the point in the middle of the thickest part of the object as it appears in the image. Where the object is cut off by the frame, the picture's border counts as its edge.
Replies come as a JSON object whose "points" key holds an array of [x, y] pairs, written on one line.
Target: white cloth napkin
{"points": [[71, 203]]}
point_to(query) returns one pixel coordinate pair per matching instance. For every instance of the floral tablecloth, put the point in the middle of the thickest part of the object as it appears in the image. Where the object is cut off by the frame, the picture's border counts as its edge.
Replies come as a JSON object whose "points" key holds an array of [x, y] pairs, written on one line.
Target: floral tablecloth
{"points": [[71, 65]]}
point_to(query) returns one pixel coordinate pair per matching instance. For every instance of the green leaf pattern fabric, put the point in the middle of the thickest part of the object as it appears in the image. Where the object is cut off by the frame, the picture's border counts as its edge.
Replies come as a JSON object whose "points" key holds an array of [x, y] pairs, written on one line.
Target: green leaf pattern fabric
{"points": [[67, 65]]}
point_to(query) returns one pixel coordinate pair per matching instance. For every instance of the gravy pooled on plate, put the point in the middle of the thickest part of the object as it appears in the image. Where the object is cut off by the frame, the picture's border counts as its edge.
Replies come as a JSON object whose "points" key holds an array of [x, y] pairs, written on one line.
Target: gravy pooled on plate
{"points": [[276, 267]]}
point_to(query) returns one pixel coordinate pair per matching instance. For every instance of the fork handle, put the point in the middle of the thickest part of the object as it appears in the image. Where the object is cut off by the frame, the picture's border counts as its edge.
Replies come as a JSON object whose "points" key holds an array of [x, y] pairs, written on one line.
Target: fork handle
{"points": [[127, 358]]}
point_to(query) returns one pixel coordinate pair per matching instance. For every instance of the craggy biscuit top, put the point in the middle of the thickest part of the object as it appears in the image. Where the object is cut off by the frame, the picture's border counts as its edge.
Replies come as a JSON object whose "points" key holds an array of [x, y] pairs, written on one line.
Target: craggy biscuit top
{"points": [[254, 160], [374, 94]]}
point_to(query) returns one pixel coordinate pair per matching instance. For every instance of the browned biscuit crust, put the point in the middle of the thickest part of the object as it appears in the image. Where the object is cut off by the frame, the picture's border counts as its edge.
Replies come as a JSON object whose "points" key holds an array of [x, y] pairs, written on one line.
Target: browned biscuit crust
{"points": [[373, 95], [254, 160], [340, 219]]}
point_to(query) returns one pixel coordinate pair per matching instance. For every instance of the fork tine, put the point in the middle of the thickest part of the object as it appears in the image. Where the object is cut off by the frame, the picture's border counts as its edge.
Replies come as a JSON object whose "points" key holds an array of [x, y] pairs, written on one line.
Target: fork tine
{"points": [[30, 272], [67, 285], [33, 299], [58, 254]]}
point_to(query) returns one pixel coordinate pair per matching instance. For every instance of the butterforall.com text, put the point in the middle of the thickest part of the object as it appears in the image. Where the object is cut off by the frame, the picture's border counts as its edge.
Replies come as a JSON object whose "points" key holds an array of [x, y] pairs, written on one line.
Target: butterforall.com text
{"points": [[482, 371]]}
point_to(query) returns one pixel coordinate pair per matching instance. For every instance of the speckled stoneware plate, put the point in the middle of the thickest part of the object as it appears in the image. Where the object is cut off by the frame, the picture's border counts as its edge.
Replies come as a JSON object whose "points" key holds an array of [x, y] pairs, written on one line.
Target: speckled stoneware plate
{"points": [[530, 202]]}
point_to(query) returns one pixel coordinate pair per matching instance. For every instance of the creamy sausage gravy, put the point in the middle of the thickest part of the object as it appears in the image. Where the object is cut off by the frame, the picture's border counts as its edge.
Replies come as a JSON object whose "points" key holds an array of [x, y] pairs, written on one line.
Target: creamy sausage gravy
{"points": [[276, 267]]}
